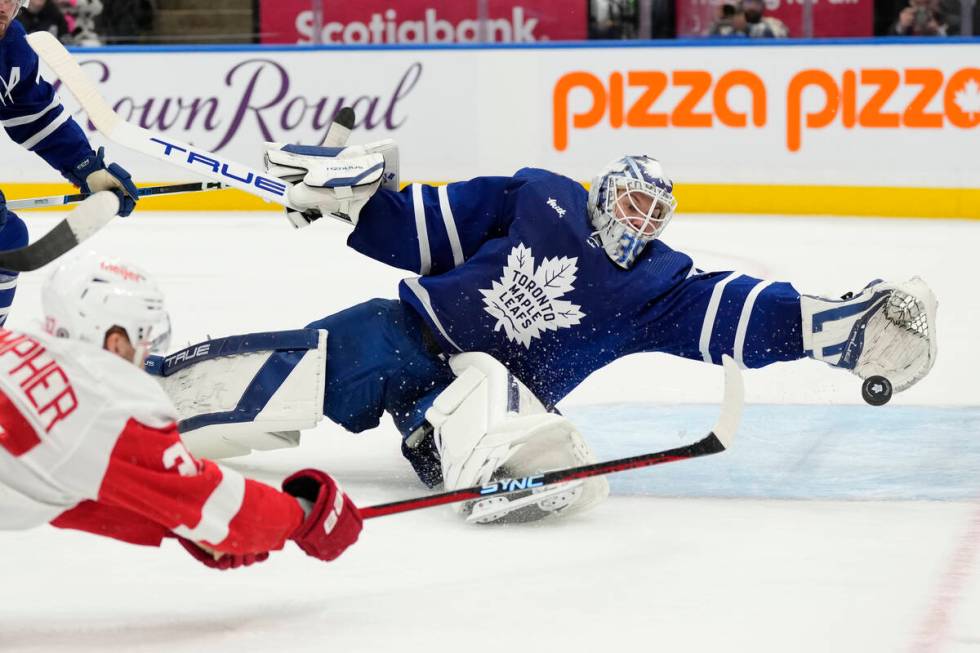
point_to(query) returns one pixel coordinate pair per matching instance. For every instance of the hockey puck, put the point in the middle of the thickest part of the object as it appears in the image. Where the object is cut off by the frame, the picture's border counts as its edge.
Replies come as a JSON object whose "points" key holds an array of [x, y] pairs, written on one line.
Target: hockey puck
{"points": [[876, 390]]}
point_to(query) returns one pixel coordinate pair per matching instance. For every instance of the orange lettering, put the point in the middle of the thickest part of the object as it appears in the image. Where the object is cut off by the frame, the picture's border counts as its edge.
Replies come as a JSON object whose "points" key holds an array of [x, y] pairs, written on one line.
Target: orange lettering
{"points": [[640, 114], [794, 104], [931, 80], [756, 87], [616, 100], [684, 115], [848, 98], [871, 114], [566, 84]]}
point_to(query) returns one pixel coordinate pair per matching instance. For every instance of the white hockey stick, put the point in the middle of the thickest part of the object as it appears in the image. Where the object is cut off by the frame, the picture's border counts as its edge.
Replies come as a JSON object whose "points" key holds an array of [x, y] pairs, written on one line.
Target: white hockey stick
{"points": [[113, 127], [87, 218]]}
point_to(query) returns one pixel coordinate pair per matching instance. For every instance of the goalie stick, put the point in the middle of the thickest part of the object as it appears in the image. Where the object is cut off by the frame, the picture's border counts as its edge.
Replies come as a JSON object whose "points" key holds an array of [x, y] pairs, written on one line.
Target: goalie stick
{"points": [[719, 439], [150, 191], [339, 130], [189, 157], [117, 130], [87, 218]]}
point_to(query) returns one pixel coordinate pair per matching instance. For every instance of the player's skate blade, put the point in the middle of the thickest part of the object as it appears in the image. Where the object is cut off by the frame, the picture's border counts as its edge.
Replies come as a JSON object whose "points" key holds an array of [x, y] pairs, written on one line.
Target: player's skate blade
{"points": [[525, 507]]}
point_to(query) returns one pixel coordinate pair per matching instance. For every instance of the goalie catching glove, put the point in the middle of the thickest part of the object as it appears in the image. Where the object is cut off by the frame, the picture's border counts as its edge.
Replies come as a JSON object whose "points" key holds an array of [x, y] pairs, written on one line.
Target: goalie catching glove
{"points": [[887, 329], [336, 181], [488, 426]]}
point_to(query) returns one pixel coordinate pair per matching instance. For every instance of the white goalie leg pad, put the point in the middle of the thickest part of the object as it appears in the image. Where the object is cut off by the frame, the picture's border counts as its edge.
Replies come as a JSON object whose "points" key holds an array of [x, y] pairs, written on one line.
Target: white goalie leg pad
{"points": [[243, 393], [888, 329], [489, 425]]}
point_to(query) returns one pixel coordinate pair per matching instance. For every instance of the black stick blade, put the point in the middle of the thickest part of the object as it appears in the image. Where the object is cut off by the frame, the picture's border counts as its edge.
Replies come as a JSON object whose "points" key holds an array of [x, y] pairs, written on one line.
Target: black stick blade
{"points": [[87, 218]]}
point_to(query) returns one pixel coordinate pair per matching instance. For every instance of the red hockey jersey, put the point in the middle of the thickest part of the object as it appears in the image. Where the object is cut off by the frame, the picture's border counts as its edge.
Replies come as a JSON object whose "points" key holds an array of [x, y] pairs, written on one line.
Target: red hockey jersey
{"points": [[88, 441]]}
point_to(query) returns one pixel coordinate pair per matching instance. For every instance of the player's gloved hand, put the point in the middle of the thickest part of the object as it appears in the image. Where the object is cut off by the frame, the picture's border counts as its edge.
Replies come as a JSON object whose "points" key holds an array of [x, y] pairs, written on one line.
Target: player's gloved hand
{"points": [[92, 175], [217, 560], [332, 523]]}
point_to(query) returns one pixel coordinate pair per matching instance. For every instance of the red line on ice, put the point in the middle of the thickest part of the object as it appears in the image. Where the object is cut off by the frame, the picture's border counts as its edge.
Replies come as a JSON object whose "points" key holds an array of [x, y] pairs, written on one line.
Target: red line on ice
{"points": [[934, 630]]}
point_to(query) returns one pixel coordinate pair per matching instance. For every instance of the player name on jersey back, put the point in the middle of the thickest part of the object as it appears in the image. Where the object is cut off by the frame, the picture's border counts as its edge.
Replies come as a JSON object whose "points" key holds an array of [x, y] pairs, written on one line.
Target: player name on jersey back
{"points": [[39, 386]]}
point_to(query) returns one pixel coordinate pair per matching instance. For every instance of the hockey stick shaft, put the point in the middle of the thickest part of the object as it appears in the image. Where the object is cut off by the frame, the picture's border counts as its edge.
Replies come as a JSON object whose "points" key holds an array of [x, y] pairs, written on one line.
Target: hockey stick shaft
{"points": [[719, 439], [150, 191], [113, 127], [704, 447], [86, 219]]}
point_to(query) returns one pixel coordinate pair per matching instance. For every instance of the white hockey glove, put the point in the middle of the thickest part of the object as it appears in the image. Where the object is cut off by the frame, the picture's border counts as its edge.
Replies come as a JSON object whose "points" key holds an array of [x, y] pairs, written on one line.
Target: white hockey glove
{"points": [[488, 425], [888, 329], [335, 181]]}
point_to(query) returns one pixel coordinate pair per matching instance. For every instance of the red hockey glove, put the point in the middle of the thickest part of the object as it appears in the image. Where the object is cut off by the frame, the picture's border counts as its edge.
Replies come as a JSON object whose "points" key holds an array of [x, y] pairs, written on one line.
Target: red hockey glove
{"points": [[224, 560], [332, 524]]}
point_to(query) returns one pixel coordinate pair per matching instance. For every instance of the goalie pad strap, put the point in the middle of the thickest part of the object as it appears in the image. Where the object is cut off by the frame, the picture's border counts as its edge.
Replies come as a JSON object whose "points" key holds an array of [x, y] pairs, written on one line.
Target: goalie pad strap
{"points": [[297, 339]]}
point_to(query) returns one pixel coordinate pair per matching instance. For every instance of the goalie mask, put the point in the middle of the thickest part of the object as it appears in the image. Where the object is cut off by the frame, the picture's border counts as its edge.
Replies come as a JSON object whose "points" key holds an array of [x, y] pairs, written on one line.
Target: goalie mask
{"points": [[84, 298], [630, 203]]}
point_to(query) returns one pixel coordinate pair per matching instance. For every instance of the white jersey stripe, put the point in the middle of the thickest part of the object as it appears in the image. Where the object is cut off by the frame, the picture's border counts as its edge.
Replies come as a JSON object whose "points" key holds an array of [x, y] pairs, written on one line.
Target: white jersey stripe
{"points": [[743, 321], [425, 257], [25, 120], [218, 511], [8, 285], [47, 131], [423, 295], [710, 314], [450, 222]]}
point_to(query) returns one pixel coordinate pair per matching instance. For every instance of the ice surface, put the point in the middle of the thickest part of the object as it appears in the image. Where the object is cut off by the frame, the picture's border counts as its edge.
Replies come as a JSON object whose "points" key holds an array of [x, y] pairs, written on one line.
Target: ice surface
{"points": [[830, 526]]}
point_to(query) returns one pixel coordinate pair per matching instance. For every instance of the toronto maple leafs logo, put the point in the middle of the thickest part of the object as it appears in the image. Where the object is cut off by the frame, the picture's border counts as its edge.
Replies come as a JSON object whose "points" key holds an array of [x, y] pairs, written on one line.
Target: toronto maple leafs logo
{"points": [[526, 301]]}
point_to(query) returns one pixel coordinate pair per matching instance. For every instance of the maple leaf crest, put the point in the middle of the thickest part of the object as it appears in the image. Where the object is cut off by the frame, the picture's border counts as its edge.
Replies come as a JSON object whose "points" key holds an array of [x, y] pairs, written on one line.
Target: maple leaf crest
{"points": [[968, 98], [526, 301]]}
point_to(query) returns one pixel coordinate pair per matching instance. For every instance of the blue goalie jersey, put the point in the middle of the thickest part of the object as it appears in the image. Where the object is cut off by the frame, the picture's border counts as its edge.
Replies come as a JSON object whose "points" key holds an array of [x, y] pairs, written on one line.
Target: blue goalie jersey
{"points": [[509, 266]]}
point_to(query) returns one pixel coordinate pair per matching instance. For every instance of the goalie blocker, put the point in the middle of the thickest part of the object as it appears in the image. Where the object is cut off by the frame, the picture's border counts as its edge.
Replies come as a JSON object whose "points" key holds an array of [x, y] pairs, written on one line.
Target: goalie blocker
{"points": [[336, 181], [248, 392]]}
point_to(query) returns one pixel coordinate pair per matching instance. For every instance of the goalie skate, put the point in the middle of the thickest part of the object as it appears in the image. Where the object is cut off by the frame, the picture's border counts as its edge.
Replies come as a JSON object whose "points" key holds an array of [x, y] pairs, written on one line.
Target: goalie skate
{"points": [[523, 507]]}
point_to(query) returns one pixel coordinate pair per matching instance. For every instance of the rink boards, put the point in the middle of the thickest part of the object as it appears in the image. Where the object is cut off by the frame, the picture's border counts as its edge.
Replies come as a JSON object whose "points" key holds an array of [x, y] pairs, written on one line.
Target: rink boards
{"points": [[798, 127]]}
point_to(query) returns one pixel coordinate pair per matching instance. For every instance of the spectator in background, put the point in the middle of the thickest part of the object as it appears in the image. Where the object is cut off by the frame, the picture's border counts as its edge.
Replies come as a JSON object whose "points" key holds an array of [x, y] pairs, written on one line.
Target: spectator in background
{"points": [[921, 18], [86, 11], [44, 16], [612, 19], [730, 22], [126, 21], [760, 26], [747, 20]]}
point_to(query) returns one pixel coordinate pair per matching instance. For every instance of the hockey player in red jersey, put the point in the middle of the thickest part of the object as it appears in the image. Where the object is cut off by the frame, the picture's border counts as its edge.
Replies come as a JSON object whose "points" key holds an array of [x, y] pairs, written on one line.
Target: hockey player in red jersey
{"points": [[89, 442]]}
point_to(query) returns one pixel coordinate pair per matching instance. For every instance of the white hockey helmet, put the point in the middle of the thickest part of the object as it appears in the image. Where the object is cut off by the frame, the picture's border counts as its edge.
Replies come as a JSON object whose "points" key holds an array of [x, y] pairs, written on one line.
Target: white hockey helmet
{"points": [[85, 297], [630, 203]]}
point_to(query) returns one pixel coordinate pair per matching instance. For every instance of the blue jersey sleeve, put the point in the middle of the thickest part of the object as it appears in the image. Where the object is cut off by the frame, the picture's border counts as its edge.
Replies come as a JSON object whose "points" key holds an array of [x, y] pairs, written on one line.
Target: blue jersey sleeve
{"points": [[30, 111], [755, 322], [433, 229]]}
